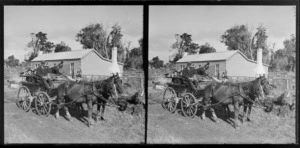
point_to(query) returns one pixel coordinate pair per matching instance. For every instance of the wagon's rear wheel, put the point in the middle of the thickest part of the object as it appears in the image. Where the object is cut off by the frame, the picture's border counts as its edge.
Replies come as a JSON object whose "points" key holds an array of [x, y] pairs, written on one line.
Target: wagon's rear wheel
{"points": [[170, 100], [43, 104], [24, 98], [189, 105]]}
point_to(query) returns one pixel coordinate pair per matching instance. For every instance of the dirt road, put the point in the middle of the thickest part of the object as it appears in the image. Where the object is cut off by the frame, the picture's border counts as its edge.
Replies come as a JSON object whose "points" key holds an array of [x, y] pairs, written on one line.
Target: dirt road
{"points": [[164, 127], [28, 127]]}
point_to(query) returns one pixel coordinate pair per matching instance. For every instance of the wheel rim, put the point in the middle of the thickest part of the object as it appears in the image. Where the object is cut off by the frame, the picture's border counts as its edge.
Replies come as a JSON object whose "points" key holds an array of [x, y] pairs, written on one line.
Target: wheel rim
{"points": [[169, 102], [42, 104], [189, 107], [24, 99]]}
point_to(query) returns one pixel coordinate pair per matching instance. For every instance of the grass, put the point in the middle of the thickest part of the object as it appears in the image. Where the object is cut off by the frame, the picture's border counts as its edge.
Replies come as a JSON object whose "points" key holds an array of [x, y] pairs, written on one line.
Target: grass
{"points": [[121, 125]]}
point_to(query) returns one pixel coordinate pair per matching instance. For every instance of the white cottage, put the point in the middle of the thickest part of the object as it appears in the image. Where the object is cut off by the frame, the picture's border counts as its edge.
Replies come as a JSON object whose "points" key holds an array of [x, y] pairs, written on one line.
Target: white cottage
{"points": [[89, 61], [234, 62]]}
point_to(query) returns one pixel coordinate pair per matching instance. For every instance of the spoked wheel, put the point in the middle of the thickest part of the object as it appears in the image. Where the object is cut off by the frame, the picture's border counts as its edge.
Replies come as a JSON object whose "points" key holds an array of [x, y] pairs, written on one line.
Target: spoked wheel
{"points": [[24, 98], [170, 100], [189, 105], [43, 104]]}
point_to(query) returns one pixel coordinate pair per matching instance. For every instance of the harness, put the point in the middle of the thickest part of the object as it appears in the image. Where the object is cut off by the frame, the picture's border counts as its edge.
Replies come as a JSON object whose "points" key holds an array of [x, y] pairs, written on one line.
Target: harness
{"points": [[93, 92], [241, 93]]}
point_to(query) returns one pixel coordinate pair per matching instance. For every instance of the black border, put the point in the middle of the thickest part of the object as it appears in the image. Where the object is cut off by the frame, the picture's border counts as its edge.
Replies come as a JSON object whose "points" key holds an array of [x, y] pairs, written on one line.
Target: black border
{"points": [[146, 5]]}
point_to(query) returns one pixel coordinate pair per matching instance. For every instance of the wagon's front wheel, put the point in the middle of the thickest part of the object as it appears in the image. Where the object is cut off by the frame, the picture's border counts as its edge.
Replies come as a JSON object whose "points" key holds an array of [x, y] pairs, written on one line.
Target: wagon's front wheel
{"points": [[189, 105], [170, 100], [43, 104], [24, 98]]}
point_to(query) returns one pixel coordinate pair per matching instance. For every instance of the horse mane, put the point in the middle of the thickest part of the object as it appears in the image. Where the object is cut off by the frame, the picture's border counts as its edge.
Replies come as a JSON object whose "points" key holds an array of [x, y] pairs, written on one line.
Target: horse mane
{"points": [[250, 85], [101, 83]]}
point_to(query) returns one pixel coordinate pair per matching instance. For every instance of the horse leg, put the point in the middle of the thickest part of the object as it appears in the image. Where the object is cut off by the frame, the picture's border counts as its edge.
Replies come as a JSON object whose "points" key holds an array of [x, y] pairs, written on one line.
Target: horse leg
{"points": [[236, 113], [67, 113], [98, 110], [245, 112], [102, 111], [212, 110], [58, 106], [78, 105], [249, 112], [203, 115], [57, 113], [228, 111], [90, 112]]}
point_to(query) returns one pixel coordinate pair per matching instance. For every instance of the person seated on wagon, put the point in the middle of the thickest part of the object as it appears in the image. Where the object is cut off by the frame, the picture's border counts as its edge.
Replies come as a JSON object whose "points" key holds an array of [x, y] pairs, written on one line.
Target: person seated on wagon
{"points": [[224, 77], [188, 75], [42, 72]]}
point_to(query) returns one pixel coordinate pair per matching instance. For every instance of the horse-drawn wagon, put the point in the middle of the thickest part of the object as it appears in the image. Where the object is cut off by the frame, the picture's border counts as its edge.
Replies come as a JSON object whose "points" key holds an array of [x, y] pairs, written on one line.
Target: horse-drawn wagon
{"points": [[212, 92], [33, 90], [180, 91]]}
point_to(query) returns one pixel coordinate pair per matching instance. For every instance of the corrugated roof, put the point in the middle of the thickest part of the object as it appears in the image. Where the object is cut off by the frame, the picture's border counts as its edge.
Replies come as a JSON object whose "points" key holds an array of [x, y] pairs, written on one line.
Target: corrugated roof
{"points": [[74, 54], [216, 56]]}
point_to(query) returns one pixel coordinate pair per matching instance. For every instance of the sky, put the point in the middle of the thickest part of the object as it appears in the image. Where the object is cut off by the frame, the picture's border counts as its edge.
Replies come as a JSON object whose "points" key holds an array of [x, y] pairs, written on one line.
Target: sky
{"points": [[62, 23], [208, 23]]}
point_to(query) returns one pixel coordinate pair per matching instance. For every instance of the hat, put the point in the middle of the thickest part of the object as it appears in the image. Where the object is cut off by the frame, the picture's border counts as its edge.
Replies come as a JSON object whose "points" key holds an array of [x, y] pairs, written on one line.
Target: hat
{"points": [[43, 62]]}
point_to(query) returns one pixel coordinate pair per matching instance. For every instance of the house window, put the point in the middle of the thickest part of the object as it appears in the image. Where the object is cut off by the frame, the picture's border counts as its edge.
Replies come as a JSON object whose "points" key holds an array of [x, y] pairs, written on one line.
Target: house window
{"points": [[199, 66], [181, 67], [217, 70], [193, 65]]}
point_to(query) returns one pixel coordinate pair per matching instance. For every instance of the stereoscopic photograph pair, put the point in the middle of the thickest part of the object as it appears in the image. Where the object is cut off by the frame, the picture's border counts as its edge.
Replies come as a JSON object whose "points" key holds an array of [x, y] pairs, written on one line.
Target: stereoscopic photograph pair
{"points": [[194, 74]]}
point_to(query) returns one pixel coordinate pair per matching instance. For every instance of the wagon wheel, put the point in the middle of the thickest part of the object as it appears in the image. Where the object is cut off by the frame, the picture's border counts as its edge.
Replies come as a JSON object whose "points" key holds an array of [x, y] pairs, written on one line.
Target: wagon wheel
{"points": [[43, 104], [189, 105], [170, 100], [24, 98]]}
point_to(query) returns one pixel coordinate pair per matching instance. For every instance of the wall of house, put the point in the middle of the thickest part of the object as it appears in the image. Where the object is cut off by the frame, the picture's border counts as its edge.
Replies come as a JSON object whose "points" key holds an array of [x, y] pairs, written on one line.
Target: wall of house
{"points": [[212, 66], [92, 64], [66, 69], [237, 65]]}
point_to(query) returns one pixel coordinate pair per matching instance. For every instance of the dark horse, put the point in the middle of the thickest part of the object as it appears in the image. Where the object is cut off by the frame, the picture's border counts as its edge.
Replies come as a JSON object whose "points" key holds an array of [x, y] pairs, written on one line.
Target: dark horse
{"points": [[90, 93], [237, 94]]}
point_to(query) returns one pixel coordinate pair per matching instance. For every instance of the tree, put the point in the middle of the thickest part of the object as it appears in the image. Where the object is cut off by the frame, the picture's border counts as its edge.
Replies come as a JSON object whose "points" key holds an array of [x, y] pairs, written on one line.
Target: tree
{"points": [[290, 47], [61, 47], [39, 43], [183, 44], [206, 48], [134, 57], [240, 38], [156, 62], [11, 61], [95, 37], [284, 59]]}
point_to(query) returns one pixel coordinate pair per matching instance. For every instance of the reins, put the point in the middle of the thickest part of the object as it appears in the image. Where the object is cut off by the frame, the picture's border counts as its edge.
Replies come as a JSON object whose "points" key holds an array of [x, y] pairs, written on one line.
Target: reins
{"points": [[241, 93], [92, 93]]}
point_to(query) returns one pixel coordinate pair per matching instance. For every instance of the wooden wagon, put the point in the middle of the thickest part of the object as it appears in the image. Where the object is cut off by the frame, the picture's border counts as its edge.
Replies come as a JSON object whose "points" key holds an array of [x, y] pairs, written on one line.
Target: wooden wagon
{"points": [[33, 90], [180, 91]]}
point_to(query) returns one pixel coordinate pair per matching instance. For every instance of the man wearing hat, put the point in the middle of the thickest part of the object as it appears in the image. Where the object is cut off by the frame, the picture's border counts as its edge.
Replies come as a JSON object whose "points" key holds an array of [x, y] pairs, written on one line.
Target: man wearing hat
{"points": [[42, 72], [188, 74], [56, 68]]}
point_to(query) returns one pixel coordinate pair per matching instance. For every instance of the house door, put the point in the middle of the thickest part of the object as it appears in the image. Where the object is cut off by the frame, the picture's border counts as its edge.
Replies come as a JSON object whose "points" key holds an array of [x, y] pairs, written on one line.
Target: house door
{"points": [[217, 71], [72, 70]]}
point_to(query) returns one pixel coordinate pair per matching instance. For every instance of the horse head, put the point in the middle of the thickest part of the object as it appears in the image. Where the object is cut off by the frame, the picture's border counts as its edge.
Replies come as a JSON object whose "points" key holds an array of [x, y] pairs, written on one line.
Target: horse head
{"points": [[118, 83], [263, 89], [265, 84]]}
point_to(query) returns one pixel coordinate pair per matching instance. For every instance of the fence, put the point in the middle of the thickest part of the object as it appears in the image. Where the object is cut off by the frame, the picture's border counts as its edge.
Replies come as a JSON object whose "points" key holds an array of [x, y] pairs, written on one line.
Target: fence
{"points": [[284, 83], [282, 80], [136, 81]]}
